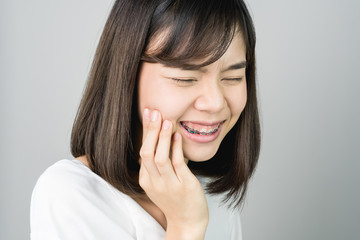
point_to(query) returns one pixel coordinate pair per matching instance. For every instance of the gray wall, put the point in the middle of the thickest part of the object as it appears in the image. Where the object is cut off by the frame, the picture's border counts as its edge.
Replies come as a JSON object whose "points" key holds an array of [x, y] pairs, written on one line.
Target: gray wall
{"points": [[307, 182]]}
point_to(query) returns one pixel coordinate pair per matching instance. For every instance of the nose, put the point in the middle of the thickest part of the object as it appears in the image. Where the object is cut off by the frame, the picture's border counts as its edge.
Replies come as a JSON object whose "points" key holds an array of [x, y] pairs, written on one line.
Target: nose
{"points": [[211, 98]]}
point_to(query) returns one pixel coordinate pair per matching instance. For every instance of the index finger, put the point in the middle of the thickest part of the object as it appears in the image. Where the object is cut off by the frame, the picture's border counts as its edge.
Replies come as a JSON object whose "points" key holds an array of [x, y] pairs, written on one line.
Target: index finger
{"points": [[145, 122]]}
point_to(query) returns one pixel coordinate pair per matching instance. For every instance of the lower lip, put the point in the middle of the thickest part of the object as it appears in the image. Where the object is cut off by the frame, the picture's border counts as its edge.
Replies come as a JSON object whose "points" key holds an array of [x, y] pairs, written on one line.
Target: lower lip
{"points": [[201, 138]]}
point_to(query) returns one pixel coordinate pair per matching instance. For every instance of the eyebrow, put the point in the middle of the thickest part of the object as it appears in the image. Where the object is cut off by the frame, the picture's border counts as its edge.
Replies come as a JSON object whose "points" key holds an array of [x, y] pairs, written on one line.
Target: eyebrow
{"points": [[235, 66]]}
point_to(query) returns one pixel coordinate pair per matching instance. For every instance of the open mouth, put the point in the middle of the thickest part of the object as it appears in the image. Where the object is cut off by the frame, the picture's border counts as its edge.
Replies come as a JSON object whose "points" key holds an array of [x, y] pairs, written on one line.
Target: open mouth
{"points": [[200, 129]]}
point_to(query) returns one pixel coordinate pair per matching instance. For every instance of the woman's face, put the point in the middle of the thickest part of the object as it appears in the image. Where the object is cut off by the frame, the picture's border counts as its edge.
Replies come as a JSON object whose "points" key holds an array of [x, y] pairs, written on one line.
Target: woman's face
{"points": [[203, 104]]}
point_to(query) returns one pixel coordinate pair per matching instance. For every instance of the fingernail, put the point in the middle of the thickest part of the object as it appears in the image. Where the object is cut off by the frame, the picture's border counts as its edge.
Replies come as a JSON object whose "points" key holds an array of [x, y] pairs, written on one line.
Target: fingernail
{"points": [[154, 116], [146, 114], [166, 124]]}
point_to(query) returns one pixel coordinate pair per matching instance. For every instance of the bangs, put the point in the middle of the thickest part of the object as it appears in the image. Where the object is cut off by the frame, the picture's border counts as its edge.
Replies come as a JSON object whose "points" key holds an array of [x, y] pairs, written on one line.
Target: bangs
{"points": [[191, 34]]}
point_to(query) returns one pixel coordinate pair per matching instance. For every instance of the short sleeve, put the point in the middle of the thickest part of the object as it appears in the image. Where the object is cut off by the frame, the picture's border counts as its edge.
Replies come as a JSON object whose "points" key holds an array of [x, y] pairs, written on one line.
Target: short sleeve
{"points": [[66, 204]]}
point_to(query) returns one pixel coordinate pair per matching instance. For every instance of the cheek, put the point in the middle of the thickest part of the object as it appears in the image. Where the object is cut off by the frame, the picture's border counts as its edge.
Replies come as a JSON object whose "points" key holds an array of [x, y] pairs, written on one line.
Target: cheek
{"points": [[170, 103], [237, 103]]}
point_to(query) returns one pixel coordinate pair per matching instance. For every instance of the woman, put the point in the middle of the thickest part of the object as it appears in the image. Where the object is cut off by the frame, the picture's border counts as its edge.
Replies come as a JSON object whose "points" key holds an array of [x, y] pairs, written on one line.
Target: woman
{"points": [[169, 109]]}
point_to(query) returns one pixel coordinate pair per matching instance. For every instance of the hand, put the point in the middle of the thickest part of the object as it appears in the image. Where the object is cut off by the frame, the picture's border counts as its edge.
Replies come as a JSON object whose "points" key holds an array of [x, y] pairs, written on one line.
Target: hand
{"points": [[169, 183]]}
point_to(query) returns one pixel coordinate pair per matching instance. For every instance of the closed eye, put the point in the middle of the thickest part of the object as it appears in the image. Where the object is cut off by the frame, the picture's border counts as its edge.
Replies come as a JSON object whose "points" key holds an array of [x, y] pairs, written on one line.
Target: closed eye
{"points": [[189, 80], [233, 79]]}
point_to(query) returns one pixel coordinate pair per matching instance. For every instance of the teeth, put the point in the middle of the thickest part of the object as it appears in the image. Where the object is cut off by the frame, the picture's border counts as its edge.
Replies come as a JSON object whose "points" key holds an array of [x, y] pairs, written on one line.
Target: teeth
{"points": [[203, 131]]}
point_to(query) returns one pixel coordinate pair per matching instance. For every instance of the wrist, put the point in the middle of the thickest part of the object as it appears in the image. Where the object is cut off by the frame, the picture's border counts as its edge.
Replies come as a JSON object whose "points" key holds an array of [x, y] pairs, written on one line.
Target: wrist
{"points": [[181, 232]]}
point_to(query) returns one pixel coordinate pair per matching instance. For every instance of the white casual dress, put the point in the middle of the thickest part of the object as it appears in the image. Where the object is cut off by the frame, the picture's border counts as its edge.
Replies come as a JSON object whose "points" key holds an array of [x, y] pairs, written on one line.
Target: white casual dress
{"points": [[70, 201]]}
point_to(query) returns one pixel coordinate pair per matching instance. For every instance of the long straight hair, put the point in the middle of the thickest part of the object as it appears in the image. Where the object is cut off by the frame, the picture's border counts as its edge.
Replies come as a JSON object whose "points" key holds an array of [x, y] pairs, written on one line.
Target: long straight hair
{"points": [[104, 128]]}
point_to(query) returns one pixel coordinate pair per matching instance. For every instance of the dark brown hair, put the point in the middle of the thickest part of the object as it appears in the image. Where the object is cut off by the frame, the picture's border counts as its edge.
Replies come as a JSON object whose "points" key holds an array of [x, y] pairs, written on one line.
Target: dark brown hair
{"points": [[188, 30]]}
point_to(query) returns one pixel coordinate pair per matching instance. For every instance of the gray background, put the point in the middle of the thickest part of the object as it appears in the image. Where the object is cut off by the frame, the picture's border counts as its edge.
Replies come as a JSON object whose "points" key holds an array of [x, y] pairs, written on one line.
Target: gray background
{"points": [[307, 182]]}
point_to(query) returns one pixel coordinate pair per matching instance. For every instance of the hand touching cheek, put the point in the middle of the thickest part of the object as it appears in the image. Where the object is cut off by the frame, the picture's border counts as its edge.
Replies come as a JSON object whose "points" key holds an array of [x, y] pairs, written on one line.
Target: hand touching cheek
{"points": [[168, 181]]}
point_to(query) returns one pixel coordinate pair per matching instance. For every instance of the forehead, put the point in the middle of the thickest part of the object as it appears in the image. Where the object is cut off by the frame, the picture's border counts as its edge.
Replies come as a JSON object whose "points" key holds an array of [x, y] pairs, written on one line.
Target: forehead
{"points": [[235, 55], [235, 50]]}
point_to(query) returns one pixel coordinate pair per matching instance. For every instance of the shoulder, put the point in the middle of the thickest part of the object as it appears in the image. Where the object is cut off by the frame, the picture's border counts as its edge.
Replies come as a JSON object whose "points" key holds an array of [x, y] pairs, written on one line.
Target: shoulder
{"points": [[69, 198], [65, 175], [70, 181], [64, 180]]}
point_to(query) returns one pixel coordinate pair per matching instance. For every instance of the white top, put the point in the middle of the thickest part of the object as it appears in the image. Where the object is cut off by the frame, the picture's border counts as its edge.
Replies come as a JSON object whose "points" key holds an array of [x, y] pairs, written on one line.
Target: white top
{"points": [[70, 201]]}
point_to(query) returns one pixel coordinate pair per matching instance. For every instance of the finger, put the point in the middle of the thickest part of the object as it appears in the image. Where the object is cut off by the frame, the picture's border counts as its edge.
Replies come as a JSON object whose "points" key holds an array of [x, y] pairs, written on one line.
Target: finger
{"points": [[144, 178], [147, 151], [182, 171], [162, 159], [146, 120]]}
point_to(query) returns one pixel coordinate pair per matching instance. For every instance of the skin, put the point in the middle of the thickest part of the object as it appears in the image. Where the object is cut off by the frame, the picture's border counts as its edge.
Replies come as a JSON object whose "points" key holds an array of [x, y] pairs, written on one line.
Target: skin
{"points": [[169, 184], [175, 197], [212, 97]]}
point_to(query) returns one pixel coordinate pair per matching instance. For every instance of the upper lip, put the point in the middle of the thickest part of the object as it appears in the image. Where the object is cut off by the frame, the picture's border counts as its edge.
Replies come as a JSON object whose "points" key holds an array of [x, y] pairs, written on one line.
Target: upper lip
{"points": [[206, 123]]}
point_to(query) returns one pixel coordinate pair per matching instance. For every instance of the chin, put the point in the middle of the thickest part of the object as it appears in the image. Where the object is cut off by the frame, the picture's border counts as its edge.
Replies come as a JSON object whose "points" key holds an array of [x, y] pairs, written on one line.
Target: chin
{"points": [[200, 156]]}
